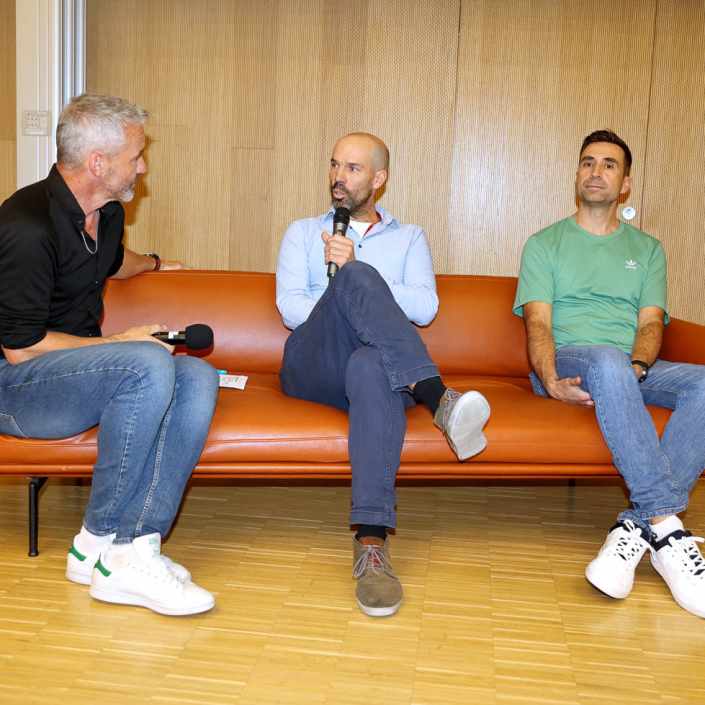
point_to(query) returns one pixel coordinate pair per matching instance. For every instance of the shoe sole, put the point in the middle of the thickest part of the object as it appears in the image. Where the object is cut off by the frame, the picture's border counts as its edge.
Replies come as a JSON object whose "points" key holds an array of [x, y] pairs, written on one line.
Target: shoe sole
{"points": [[81, 578], [464, 428], [697, 611], [379, 611], [121, 598]]}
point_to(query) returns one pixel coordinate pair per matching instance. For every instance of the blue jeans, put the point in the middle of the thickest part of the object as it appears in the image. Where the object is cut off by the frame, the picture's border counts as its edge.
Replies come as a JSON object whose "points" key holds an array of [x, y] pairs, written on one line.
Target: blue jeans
{"points": [[659, 474], [153, 413], [357, 351]]}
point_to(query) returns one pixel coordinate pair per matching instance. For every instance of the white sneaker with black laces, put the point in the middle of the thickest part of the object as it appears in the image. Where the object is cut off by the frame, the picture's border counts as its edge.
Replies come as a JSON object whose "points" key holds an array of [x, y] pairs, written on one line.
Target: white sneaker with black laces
{"points": [[79, 566], [612, 572], [147, 581], [677, 559]]}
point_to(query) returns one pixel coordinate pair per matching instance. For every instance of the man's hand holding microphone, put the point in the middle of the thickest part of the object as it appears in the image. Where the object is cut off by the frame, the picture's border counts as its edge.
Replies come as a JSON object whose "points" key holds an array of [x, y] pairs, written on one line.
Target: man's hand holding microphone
{"points": [[339, 249], [195, 337]]}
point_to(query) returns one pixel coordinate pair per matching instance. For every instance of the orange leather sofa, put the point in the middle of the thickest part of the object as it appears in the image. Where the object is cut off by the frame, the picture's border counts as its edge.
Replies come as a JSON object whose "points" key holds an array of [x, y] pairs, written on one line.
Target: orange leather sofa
{"points": [[259, 432]]}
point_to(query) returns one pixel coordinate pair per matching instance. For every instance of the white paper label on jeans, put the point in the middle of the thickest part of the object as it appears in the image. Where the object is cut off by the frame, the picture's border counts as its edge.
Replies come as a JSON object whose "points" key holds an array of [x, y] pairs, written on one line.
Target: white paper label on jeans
{"points": [[232, 381]]}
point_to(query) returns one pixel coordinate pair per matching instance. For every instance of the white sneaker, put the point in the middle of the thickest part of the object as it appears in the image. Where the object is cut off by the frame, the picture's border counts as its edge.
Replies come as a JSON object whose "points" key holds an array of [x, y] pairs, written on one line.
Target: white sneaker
{"points": [[462, 417], [677, 559], [79, 567], [612, 571], [147, 581]]}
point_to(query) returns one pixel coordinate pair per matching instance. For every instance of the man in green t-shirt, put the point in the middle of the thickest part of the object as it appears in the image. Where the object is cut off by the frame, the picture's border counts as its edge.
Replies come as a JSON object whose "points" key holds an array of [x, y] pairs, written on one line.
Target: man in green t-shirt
{"points": [[592, 291]]}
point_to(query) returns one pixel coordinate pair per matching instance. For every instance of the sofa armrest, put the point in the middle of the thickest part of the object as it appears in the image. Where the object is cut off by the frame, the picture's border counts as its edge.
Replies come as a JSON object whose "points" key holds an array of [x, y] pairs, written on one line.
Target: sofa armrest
{"points": [[683, 342]]}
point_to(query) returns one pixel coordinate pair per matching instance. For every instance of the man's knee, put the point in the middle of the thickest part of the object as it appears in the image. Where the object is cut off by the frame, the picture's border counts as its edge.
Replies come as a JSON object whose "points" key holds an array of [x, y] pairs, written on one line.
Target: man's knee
{"points": [[199, 377], [148, 364], [359, 274], [601, 359], [365, 366]]}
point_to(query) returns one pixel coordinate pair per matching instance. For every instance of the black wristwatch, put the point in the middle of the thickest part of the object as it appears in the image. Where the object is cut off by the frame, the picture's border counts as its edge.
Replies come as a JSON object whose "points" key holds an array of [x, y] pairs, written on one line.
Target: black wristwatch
{"points": [[158, 261], [644, 370]]}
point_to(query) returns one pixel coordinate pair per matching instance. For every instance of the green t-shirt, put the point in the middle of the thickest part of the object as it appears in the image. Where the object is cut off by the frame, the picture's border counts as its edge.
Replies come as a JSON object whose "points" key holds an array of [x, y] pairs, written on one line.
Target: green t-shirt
{"points": [[595, 283]]}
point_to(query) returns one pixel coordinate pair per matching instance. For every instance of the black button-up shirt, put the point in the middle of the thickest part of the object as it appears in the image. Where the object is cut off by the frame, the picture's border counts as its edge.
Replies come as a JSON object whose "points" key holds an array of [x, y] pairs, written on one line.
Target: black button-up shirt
{"points": [[49, 280]]}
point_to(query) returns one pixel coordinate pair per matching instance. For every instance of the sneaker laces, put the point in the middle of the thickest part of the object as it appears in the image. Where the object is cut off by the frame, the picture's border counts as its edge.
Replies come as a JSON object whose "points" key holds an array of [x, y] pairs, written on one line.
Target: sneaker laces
{"points": [[446, 407], [373, 559], [629, 547], [157, 568], [450, 395], [693, 561]]}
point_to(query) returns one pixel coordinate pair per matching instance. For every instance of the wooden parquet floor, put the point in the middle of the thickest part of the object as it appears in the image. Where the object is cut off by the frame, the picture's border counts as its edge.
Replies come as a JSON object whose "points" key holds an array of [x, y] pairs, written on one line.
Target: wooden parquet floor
{"points": [[496, 608]]}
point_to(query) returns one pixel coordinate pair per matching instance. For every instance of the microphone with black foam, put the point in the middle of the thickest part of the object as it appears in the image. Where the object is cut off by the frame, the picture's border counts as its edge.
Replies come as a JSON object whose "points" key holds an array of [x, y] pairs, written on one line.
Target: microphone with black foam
{"points": [[195, 337], [341, 220]]}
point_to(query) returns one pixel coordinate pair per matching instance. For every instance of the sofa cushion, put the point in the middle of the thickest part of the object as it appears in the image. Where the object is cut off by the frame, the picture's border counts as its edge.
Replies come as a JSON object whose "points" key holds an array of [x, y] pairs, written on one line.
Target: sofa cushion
{"points": [[262, 425]]}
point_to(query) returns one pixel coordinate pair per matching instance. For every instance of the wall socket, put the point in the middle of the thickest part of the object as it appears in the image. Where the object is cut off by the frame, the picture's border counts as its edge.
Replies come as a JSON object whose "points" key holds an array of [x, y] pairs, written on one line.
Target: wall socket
{"points": [[36, 123]]}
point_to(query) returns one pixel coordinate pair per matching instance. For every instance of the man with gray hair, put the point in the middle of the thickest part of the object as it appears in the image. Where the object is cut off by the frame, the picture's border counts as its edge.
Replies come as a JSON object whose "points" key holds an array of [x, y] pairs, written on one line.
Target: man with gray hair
{"points": [[60, 239]]}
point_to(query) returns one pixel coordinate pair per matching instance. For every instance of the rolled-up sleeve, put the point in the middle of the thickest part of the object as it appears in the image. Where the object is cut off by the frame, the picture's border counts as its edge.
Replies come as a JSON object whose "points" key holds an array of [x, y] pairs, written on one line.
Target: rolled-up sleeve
{"points": [[294, 299], [27, 274]]}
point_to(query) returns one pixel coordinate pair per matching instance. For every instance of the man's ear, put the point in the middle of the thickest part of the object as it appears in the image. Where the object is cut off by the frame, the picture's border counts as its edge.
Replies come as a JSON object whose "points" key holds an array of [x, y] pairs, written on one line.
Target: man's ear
{"points": [[380, 178], [96, 164], [627, 184]]}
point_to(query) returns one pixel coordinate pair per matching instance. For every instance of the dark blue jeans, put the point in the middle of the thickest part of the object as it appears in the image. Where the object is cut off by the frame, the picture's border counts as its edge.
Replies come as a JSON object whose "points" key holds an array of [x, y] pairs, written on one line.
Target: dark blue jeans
{"points": [[659, 473], [358, 351], [153, 411]]}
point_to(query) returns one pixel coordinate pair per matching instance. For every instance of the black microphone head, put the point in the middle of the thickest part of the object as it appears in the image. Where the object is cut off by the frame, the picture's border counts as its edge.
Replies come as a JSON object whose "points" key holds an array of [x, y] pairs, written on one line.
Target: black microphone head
{"points": [[342, 215], [198, 336]]}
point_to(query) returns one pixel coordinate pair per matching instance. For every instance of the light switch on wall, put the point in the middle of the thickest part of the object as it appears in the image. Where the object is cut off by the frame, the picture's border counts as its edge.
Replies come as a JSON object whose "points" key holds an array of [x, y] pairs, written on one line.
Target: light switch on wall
{"points": [[36, 123]]}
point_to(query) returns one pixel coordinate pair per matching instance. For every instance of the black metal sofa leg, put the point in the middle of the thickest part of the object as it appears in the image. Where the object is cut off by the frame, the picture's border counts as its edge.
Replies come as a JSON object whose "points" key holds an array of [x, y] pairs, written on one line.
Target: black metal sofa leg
{"points": [[35, 484]]}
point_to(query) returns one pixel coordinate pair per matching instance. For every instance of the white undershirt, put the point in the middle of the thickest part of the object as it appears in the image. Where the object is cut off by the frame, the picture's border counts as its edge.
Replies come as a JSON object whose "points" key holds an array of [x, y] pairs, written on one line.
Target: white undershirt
{"points": [[359, 227]]}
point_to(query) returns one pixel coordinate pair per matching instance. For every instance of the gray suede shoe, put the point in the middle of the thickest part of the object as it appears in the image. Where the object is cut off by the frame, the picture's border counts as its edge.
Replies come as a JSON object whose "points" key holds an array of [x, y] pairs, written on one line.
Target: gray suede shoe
{"points": [[379, 592], [462, 417]]}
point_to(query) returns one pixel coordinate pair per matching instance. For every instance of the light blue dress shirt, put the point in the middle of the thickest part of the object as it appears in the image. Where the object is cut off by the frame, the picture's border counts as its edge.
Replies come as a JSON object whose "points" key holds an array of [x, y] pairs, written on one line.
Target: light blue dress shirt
{"points": [[399, 252]]}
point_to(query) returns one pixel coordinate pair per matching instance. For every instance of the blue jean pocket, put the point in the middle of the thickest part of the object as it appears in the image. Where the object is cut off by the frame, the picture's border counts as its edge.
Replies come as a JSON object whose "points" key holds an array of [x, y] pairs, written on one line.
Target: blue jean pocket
{"points": [[9, 426]]}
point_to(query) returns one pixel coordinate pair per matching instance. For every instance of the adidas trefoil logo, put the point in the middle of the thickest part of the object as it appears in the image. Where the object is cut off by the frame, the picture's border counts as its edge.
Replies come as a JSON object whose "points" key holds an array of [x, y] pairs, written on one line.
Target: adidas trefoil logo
{"points": [[631, 264]]}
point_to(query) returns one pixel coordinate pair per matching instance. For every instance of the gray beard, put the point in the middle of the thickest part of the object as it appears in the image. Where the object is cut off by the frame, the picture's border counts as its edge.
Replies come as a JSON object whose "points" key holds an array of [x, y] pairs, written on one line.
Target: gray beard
{"points": [[121, 192]]}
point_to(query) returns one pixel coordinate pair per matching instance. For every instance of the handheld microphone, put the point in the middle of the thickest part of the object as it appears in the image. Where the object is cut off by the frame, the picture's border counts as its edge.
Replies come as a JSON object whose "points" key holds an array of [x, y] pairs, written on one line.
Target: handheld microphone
{"points": [[341, 220], [195, 337]]}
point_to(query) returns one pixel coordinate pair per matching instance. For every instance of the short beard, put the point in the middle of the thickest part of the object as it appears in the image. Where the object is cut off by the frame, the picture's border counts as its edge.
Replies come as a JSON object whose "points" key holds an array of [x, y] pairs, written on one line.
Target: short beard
{"points": [[349, 201], [121, 192]]}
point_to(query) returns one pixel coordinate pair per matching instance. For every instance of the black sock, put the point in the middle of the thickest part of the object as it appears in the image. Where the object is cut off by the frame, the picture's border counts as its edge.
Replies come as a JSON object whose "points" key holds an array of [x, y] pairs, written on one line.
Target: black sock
{"points": [[364, 530], [430, 392]]}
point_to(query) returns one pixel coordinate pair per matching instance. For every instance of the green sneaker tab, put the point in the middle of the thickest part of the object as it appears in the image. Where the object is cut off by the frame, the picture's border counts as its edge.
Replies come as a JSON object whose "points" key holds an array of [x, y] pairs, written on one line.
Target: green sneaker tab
{"points": [[99, 565], [76, 553]]}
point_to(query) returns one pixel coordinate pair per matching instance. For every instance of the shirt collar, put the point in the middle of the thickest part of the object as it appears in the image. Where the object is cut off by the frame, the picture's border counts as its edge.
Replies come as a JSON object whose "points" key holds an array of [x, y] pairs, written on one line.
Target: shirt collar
{"points": [[386, 218], [67, 201]]}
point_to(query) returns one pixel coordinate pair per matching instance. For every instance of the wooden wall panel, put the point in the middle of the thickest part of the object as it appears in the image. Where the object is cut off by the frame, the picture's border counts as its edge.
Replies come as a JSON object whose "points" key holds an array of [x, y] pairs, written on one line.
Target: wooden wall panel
{"points": [[171, 57], [248, 100], [535, 77], [674, 195], [410, 91], [483, 103], [8, 135]]}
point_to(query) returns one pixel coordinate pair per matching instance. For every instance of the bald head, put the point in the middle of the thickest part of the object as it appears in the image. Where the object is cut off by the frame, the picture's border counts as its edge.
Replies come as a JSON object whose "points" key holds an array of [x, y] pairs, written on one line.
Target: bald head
{"points": [[358, 168], [377, 150]]}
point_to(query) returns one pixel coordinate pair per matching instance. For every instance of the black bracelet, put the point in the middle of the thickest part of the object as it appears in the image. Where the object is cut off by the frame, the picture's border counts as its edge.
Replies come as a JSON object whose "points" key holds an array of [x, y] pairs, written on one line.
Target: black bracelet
{"points": [[644, 370], [158, 262]]}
